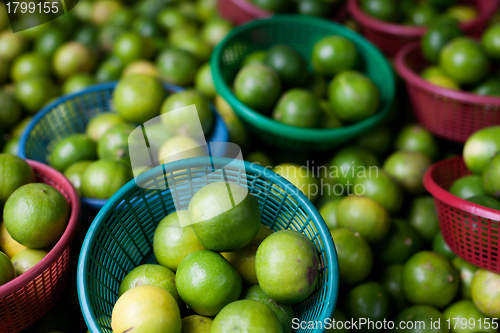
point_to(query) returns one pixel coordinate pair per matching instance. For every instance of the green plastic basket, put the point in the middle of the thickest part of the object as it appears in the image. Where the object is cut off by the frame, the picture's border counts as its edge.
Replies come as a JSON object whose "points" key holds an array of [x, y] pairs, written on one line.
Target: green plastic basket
{"points": [[121, 236], [301, 33]]}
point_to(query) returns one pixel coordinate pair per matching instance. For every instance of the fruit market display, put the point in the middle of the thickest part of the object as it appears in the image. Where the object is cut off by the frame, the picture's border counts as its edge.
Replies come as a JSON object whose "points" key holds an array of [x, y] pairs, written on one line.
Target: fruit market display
{"points": [[225, 271]]}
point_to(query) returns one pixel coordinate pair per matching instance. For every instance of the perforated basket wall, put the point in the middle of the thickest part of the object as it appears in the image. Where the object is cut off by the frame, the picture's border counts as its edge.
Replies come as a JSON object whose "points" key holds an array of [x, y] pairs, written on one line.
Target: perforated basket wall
{"points": [[470, 230], [121, 236]]}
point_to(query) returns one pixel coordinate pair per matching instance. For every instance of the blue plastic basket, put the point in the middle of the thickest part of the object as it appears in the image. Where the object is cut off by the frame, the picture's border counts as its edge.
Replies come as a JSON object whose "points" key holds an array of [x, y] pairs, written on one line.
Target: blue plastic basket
{"points": [[71, 113], [121, 236]]}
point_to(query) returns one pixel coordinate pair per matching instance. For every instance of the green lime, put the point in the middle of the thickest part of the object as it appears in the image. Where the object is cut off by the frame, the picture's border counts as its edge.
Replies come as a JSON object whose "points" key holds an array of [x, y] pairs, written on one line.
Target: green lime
{"points": [[415, 138], [108, 35], [34, 92], [109, 70], [246, 316], [444, 82], [147, 28], [408, 169], [385, 10], [136, 309], [364, 216], [10, 112], [206, 9], [77, 82], [401, 243], [462, 13], [332, 55], [4, 70], [27, 259], [103, 11], [370, 301], [173, 242], [204, 83], [288, 63], [114, 144], [329, 213], [103, 178], [338, 320], [258, 86], [258, 57], [206, 282], [490, 87], [316, 84], [12, 146], [431, 72], [461, 314], [129, 47], [195, 46], [491, 42], [138, 98], [430, 279], [467, 187], [329, 119], [464, 61], [14, 173], [259, 158], [7, 270], [350, 163], [423, 319], [480, 147], [354, 256], [122, 18], [353, 96], [141, 67], [101, 124], [391, 279], [74, 173], [215, 30], [273, 6], [180, 147], [11, 45], [486, 293], [423, 14], [88, 36], [318, 8], [171, 18], [72, 149], [177, 66], [378, 141], [439, 246], [28, 65], [43, 224], [300, 177], [196, 324], [72, 58], [381, 188], [299, 108], [423, 217], [283, 312], [486, 201], [48, 43], [182, 123], [466, 271], [491, 177]]}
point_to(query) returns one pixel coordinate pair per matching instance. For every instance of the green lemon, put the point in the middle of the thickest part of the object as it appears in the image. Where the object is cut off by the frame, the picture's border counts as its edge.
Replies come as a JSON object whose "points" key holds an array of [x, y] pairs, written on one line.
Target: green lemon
{"points": [[204, 83], [27, 259], [103, 178], [491, 42], [215, 30], [8, 244], [225, 216], [353, 96], [109, 70], [491, 177], [401, 243], [425, 316], [177, 66], [114, 144], [11, 45], [444, 82], [480, 147], [147, 309], [423, 217], [72, 149], [288, 63], [138, 98], [408, 169], [432, 71], [14, 173], [171, 18], [179, 123], [466, 271], [486, 201], [206, 282], [77, 82], [437, 36], [44, 222], [364, 216], [381, 188], [415, 138], [464, 60], [350, 163], [72, 58], [385, 10], [300, 177], [485, 291], [141, 67], [332, 55], [467, 187], [196, 324], [12, 146], [258, 86], [7, 270], [99, 125], [284, 312], [180, 147], [391, 279], [206, 9], [195, 46], [423, 14], [48, 43], [354, 255], [490, 87], [329, 213], [10, 112], [287, 266], [299, 108], [74, 173], [430, 279], [462, 13], [173, 242], [463, 312], [150, 275], [439, 246], [34, 92], [258, 57], [147, 28], [129, 47], [29, 64]]}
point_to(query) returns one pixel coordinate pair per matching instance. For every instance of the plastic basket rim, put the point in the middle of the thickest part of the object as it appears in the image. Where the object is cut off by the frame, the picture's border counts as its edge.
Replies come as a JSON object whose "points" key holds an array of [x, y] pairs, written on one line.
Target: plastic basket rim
{"points": [[291, 132], [408, 31], [62, 244], [443, 195], [309, 208], [93, 202], [250, 8], [412, 78]]}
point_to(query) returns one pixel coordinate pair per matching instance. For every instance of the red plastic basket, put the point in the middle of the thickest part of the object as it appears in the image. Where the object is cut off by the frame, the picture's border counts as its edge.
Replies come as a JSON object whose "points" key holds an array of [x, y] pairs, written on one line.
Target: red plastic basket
{"points": [[28, 297], [243, 11], [470, 230], [449, 114], [391, 37]]}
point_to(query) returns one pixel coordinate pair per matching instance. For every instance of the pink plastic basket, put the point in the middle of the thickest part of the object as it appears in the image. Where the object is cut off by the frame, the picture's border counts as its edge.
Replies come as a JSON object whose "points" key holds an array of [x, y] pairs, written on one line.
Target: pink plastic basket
{"points": [[449, 114], [243, 11], [28, 297], [391, 37], [470, 230]]}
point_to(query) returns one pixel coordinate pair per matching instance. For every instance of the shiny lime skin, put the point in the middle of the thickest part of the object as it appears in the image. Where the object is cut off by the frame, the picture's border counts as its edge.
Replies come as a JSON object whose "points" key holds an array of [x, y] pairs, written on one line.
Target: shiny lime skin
{"points": [[99, 125], [467, 187], [288, 63], [385, 10], [466, 271], [27, 259], [114, 144], [401, 243], [423, 14], [353, 96], [77, 82], [491, 177], [480, 147], [103, 178], [48, 43], [195, 46], [74, 148], [425, 315], [486, 201], [423, 217], [215, 30], [129, 47], [432, 71], [350, 163], [204, 82], [258, 86], [29, 64], [298, 107], [465, 311], [74, 173], [485, 292], [332, 55], [206, 282], [391, 279], [318, 8], [383, 189], [71, 58], [109, 70], [491, 42], [177, 66], [415, 138], [329, 213], [255, 57], [408, 169], [490, 87], [34, 92]]}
